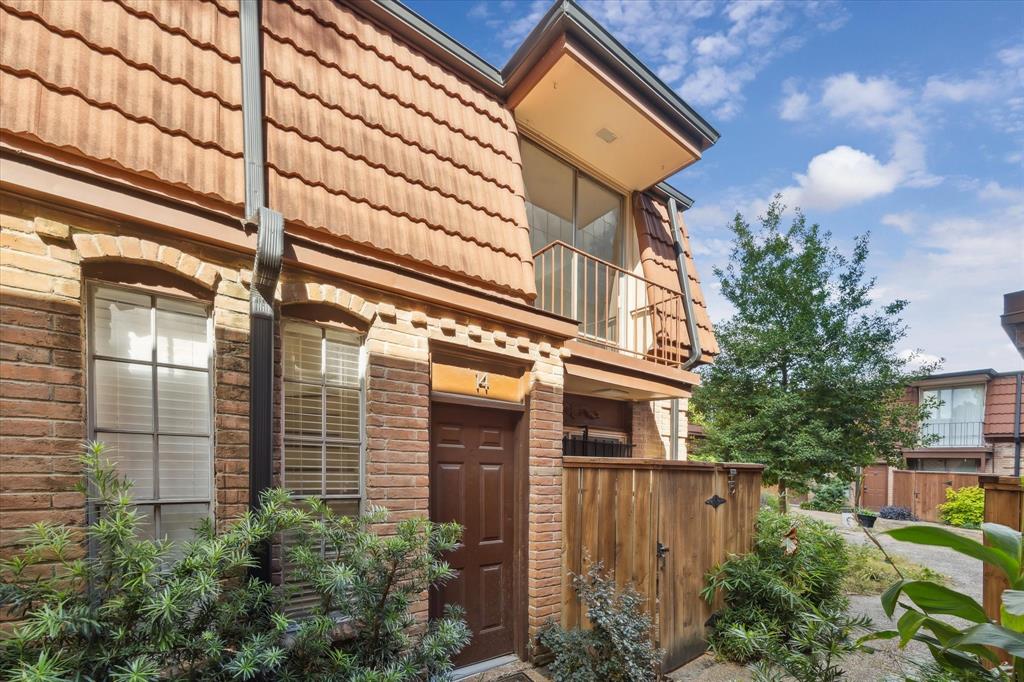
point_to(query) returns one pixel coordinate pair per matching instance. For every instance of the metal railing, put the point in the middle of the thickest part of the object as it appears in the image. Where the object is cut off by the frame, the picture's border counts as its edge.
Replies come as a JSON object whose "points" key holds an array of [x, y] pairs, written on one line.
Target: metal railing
{"points": [[952, 434], [614, 307], [584, 446]]}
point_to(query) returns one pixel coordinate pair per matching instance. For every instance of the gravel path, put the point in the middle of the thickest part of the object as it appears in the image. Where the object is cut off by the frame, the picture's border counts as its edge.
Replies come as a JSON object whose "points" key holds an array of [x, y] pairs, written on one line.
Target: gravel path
{"points": [[889, 662]]}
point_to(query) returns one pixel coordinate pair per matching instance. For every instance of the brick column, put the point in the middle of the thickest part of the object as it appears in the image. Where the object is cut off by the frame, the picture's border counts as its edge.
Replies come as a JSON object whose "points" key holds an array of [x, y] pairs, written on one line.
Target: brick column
{"points": [[544, 566]]}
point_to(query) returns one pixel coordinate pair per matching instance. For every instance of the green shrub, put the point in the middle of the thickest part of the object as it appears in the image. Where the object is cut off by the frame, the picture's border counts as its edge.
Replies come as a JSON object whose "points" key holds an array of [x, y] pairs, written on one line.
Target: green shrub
{"points": [[817, 643], [868, 571], [796, 568], [829, 497], [617, 647], [369, 581], [769, 500], [964, 507], [130, 610]]}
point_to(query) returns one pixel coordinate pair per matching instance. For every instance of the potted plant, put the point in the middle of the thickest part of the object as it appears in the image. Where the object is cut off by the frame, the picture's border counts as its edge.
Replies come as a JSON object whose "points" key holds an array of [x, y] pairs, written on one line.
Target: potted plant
{"points": [[866, 517]]}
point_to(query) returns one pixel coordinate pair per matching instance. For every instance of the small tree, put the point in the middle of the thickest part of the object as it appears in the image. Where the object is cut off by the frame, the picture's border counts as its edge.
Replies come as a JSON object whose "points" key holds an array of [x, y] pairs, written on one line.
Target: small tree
{"points": [[809, 381]]}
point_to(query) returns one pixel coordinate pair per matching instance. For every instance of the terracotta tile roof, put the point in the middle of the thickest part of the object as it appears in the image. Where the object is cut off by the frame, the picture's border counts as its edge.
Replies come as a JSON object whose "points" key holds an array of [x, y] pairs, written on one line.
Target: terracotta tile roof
{"points": [[1000, 399], [148, 86], [657, 256], [371, 142]]}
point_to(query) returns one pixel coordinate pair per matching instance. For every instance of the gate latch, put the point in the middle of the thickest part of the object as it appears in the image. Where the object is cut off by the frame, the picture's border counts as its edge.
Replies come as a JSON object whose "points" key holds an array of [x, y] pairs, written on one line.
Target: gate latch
{"points": [[662, 551], [715, 501]]}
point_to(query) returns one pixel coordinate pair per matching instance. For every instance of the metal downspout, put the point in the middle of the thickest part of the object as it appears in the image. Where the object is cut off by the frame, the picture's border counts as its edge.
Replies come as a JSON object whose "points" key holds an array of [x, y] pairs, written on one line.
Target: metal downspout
{"points": [[1016, 425], [691, 320], [266, 268]]}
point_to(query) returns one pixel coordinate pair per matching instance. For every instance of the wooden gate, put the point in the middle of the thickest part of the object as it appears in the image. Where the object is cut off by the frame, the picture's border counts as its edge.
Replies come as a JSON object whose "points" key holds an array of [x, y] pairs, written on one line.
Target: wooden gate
{"points": [[1004, 504], [875, 489], [923, 491], [620, 511]]}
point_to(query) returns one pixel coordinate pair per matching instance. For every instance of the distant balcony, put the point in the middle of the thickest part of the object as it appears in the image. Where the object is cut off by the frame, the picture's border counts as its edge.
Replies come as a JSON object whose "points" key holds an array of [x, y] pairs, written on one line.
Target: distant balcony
{"points": [[615, 308], [953, 434]]}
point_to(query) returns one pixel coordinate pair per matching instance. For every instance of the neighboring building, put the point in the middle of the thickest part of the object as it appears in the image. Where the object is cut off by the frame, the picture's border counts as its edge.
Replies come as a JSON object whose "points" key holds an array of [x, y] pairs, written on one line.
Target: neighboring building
{"points": [[478, 269], [973, 429], [1012, 319]]}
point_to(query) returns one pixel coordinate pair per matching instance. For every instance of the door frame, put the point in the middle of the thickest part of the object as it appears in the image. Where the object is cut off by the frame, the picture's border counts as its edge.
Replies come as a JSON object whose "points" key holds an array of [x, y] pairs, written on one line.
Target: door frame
{"points": [[521, 492]]}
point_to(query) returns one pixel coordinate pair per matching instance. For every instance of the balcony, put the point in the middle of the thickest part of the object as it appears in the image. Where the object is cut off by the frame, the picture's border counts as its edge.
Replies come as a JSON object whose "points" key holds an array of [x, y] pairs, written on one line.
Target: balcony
{"points": [[953, 434], [615, 308]]}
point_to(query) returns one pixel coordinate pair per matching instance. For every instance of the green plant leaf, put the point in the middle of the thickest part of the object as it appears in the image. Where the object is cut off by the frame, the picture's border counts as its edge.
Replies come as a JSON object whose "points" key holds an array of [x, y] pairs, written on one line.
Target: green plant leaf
{"points": [[936, 599], [1004, 539], [908, 625], [1013, 602], [942, 537], [990, 634], [891, 596]]}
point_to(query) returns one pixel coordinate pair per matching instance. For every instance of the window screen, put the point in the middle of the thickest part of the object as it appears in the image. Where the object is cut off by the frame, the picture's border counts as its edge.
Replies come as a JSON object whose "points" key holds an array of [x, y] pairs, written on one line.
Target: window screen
{"points": [[149, 364]]}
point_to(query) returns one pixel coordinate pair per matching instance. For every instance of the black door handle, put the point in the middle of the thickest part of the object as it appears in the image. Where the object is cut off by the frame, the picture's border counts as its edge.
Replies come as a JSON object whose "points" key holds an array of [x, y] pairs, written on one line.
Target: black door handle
{"points": [[662, 551]]}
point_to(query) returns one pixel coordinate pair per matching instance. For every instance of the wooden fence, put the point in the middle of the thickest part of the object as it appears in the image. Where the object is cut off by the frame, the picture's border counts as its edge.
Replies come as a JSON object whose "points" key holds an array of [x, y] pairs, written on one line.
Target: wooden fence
{"points": [[1004, 503], [621, 511], [923, 491]]}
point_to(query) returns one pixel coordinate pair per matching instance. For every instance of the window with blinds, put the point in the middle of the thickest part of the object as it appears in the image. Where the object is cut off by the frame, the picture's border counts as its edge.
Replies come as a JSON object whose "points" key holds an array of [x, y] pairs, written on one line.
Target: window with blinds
{"points": [[323, 408], [149, 387]]}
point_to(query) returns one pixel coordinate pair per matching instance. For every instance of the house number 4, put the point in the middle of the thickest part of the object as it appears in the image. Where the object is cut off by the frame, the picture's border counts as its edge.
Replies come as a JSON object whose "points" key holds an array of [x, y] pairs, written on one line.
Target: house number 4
{"points": [[483, 382]]}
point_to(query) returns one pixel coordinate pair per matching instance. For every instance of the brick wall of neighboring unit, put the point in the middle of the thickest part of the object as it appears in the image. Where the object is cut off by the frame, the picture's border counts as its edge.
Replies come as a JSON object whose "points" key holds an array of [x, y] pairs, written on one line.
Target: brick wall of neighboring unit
{"points": [[652, 429]]}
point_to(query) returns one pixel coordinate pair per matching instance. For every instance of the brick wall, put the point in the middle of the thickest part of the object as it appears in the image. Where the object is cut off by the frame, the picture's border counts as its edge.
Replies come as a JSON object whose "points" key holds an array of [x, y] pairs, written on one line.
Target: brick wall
{"points": [[544, 565], [652, 429], [45, 255]]}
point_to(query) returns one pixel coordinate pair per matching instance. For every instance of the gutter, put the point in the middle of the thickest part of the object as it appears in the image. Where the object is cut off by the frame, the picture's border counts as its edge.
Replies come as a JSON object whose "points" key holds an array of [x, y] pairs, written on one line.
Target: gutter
{"points": [[1016, 425], [266, 268], [691, 319]]}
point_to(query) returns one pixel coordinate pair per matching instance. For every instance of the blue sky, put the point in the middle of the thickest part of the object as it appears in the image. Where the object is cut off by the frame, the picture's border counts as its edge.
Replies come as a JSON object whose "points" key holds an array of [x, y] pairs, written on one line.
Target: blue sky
{"points": [[902, 119]]}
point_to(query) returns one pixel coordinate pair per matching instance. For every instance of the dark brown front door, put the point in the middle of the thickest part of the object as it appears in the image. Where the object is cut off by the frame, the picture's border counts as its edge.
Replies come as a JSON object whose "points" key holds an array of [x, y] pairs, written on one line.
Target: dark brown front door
{"points": [[472, 454]]}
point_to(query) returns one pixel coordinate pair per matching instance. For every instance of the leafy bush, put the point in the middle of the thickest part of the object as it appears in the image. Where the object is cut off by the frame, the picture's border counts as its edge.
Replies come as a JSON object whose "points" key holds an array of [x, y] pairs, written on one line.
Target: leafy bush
{"points": [[896, 514], [617, 648], [965, 652], [829, 497], [769, 501], [964, 507], [129, 610], [796, 568], [869, 572], [818, 641], [371, 581]]}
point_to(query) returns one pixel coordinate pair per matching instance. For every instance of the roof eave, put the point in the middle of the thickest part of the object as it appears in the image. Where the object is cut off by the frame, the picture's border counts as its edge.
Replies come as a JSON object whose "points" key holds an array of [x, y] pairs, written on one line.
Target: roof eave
{"points": [[564, 17]]}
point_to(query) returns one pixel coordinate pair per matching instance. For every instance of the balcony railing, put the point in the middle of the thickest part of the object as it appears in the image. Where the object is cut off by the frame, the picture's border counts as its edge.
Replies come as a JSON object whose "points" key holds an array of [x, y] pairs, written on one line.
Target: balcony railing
{"points": [[953, 434], [614, 307]]}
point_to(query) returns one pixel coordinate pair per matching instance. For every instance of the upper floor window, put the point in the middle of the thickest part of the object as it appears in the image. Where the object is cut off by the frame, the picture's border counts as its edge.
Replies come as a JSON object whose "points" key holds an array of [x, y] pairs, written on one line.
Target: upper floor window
{"points": [[563, 204], [323, 408], [149, 367], [958, 418]]}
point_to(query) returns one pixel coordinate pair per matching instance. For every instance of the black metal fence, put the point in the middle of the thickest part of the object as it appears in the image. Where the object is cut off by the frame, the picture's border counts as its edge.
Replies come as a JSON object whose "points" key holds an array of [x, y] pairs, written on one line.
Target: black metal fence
{"points": [[587, 446]]}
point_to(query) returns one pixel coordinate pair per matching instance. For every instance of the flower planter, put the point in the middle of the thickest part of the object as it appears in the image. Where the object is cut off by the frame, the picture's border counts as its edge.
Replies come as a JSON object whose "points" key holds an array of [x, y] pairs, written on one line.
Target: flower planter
{"points": [[867, 520]]}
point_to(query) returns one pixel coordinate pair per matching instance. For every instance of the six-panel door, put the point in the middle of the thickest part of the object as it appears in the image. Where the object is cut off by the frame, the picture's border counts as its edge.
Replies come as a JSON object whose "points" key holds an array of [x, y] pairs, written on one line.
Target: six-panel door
{"points": [[472, 478]]}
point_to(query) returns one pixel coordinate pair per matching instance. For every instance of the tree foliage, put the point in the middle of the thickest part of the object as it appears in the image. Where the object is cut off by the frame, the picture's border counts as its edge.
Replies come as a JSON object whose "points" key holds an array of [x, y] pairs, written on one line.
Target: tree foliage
{"points": [[810, 380]]}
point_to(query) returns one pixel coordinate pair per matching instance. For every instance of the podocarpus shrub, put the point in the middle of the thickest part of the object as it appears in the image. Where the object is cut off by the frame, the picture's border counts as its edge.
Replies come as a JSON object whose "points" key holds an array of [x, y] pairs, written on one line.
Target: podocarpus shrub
{"points": [[896, 514], [131, 611], [796, 568], [370, 582], [617, 647], [963, 507]]}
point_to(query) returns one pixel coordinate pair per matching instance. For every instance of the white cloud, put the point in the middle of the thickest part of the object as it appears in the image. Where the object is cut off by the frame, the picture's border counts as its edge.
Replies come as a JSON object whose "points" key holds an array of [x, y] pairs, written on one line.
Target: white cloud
{"points": [[1012, 56], [846, 95], [993, 191], [941, 89], [794, 103], [840, 177], [904, 222], [916, 359]]}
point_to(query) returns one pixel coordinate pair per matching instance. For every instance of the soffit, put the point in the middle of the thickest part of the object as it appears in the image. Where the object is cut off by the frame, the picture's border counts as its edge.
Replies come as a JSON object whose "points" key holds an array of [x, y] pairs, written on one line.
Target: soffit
{"points": [[571, 103]]}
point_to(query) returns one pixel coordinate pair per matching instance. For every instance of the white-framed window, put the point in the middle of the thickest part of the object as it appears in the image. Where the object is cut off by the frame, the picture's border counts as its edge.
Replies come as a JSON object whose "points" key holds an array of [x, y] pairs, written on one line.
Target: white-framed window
{"points": [[958, 419], [150, 401], [323, 414]]}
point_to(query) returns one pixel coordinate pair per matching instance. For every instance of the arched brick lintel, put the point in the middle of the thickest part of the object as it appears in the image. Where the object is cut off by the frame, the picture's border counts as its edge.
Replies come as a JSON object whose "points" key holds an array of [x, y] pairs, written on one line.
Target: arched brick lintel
{"points": [[330, 295], [108, 247]]}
